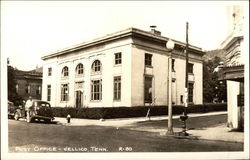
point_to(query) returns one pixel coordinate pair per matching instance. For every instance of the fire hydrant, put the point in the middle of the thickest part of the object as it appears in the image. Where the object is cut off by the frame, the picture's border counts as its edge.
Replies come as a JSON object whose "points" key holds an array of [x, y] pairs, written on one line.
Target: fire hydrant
{"points": [[68, 118]]}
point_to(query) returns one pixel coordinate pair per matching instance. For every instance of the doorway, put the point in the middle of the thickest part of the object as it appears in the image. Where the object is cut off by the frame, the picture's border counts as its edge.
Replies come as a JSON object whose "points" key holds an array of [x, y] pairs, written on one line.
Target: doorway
{"points": [[79, 99]]}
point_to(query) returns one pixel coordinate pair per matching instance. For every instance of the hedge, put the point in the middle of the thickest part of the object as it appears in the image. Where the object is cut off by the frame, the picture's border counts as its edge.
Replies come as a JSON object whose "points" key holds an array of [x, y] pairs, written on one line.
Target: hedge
{"points": [[126, 112]]}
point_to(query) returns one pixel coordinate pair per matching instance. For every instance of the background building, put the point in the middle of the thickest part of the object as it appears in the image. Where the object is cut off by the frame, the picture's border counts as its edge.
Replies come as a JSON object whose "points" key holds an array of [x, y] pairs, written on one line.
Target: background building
{"points": [[126, 68], [233, 70], [29, 83]]}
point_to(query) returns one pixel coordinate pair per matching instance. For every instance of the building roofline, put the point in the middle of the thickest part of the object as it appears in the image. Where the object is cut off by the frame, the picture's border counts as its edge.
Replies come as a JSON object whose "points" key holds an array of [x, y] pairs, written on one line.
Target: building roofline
{"points": [[117, 35], [231, 38]]}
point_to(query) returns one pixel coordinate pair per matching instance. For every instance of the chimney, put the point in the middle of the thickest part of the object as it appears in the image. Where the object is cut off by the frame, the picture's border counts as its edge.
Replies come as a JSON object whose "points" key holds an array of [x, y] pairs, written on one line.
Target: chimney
{"points": [[154, 31]]}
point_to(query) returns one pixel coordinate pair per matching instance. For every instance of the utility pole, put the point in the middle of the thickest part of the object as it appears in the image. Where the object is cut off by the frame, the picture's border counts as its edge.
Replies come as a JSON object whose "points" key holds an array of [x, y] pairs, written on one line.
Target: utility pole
{"points": [[186, 81], [184, 117]]}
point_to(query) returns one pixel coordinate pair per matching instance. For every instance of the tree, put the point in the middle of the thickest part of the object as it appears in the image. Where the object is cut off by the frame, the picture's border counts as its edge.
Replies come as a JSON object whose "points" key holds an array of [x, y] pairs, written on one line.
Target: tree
{"points": [[11, 83], [213, 88], [12, 95]]}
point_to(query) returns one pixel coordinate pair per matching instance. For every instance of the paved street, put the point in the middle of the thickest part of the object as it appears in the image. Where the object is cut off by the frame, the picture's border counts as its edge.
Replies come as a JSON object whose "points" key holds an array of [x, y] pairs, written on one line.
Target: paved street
{"points": [[41, 137]]}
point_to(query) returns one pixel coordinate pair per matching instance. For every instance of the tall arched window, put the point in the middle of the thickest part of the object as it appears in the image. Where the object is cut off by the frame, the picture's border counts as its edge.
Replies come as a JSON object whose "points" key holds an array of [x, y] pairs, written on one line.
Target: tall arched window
{"points": [[96, 66], [65, 71], [79, 69]]}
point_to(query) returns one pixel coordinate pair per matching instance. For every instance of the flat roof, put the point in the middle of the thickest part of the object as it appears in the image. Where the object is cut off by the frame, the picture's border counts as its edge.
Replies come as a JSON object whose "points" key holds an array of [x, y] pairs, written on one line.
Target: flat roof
{"points": [[114, 36]]}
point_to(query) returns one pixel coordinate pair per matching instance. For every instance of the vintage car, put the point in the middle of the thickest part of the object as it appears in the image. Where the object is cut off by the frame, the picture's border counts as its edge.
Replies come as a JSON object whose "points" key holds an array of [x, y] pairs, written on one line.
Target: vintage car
{"points": [[40, 111]]}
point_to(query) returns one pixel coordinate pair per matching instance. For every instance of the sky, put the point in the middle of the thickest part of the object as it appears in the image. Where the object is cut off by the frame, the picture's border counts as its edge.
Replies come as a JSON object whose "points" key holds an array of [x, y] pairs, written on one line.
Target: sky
{"points": [[32, 29]]}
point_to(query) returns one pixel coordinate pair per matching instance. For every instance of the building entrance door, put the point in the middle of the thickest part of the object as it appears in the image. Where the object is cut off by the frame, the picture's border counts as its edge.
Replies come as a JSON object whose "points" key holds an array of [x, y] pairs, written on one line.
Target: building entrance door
{"points": [[79, 99]]}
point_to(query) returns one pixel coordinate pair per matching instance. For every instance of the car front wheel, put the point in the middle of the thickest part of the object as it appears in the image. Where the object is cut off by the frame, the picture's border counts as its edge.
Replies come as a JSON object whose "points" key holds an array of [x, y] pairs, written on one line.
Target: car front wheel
{"points": [[16, 116], [29, 120], [47, 120]]}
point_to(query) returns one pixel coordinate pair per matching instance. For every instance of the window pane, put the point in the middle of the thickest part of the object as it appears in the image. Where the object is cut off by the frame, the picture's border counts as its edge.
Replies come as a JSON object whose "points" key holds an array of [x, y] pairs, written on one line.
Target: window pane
{"points": [[48, 92], [148, 59], [190, 92], [79, 69], [119, 95], [64, 94], [117, 88], [96, 66], [65, 71], [148, 89], [49, 71], [96, 90], [118, 57], [173, 63], [190, 67]]}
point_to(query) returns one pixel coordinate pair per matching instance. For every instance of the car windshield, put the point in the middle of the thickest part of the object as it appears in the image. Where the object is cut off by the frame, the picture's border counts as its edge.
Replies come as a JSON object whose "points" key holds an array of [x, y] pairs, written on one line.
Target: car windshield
{"points": [[42, 104]]}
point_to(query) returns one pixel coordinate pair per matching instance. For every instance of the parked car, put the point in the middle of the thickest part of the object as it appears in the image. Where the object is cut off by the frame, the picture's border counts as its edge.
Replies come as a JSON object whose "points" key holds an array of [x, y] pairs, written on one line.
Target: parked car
{"points": [[41, 111]]}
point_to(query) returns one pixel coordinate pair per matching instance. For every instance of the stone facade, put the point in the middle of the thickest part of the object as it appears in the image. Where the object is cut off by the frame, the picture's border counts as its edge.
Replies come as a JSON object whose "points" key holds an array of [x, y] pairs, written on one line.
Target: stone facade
{"points": [[126, 68], [233, 71]]}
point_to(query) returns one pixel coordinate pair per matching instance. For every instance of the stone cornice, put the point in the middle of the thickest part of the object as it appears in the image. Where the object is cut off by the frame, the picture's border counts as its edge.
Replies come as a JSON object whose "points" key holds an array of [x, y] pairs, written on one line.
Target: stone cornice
{"points": [[130, 32]]}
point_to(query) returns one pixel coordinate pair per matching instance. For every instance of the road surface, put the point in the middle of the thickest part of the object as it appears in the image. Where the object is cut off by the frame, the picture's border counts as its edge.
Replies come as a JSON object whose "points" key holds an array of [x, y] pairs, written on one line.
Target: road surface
{"points": [[41, 137]]}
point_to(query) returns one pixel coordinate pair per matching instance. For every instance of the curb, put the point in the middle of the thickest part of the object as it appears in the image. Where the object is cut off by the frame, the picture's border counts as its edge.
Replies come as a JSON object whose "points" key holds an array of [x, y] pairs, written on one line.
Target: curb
{"points": [[193, 137], [131, 120]]}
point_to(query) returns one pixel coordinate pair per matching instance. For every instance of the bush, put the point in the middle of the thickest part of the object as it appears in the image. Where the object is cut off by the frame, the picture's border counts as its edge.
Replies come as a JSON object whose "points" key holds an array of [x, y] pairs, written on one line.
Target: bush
{"points": [[126, 112]]}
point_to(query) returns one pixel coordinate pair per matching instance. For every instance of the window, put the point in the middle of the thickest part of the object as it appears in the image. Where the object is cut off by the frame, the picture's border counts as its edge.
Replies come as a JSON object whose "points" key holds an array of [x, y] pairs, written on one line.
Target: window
{"points": [[17, 87], [148, 89], [64, 92], [182, 99], [49, 71], [28, 89], [79, 69], [118, 58], [173, 63], [117, 88], [65, 71], [190, 92], [96, 66], [38, 90], [96, 90], [48, 92], [148, 59], [174, 93], [190, 67]]}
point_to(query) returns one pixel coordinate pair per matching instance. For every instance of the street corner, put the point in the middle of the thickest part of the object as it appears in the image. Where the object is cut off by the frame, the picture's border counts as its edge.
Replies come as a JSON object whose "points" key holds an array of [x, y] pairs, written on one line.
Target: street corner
{"points": [[179, 135], [185, 135], [66, 124], [62, 123]]}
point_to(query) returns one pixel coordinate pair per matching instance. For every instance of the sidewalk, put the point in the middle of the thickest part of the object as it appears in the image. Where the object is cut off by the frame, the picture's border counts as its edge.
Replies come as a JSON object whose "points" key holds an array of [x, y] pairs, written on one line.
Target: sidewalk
{"points": [[120, 122], [220, 132]]}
